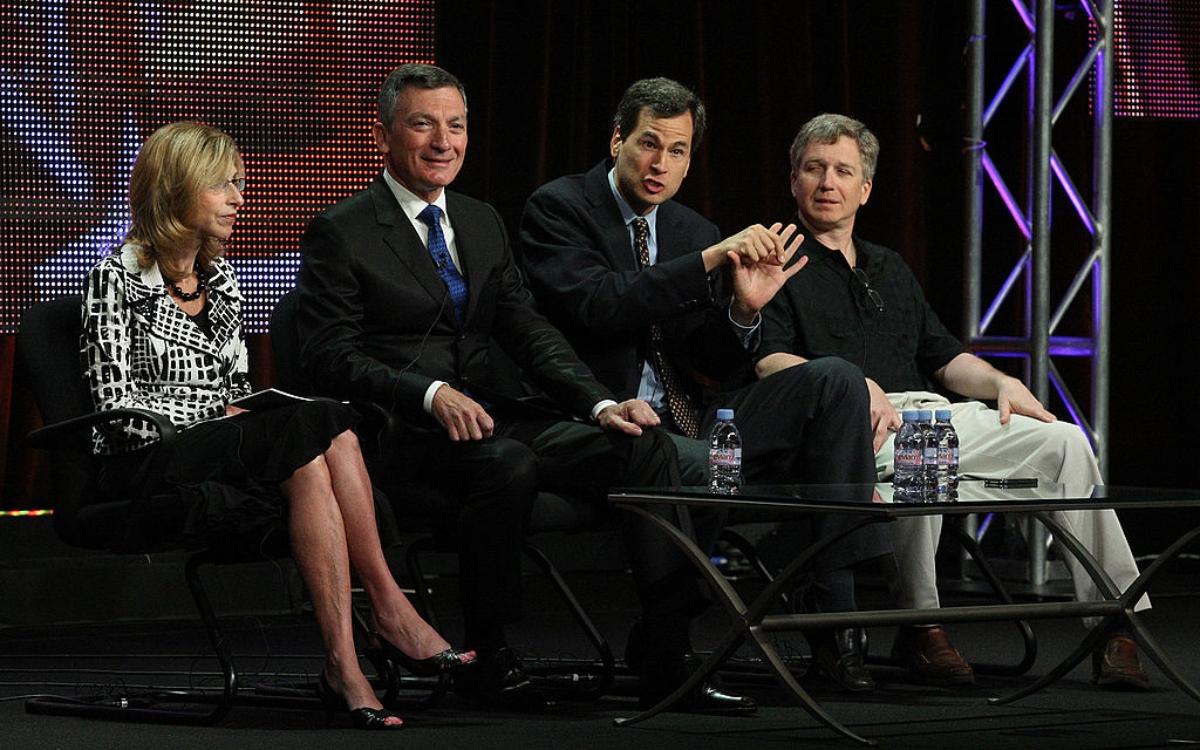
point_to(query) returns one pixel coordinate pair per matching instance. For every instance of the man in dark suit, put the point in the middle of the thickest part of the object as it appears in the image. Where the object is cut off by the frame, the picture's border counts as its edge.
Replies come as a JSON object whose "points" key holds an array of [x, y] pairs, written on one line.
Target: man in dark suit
{"points": [[637, 283], [408, 292]]}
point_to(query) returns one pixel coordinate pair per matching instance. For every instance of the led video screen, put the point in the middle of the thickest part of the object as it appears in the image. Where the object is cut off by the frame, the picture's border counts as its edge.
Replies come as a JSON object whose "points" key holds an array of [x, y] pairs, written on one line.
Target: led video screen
{"points": [[1157, 52], [83, 82]]}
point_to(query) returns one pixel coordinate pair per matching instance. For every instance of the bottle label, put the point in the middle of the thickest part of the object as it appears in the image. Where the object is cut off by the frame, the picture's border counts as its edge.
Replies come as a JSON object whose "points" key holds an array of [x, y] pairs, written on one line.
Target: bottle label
{"points": [[908, 458], [729, 458]]}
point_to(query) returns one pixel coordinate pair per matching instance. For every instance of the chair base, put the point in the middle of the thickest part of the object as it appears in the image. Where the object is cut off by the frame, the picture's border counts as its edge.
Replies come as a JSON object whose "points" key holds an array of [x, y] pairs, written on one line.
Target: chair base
{"points": [[201, 707], [584, 678], [182, 707]]}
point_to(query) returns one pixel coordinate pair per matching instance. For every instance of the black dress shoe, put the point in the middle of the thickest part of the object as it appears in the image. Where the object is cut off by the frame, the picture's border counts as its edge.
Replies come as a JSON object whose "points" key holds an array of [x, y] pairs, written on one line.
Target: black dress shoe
{"points": [[838, 656], [660, 678], [496, 679], [706, 698]]}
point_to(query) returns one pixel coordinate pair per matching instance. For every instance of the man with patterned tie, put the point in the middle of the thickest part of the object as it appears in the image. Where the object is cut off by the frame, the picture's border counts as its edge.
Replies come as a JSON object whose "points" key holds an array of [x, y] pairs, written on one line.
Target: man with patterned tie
{"points": [[661, 308], [407, 292]]}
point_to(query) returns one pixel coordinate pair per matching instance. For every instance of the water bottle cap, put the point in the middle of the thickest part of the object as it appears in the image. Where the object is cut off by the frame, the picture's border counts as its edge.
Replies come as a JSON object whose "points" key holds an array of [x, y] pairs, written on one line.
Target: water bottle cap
{"points": [[943, 415], [725, 415], [911, 415], [926, 415]]}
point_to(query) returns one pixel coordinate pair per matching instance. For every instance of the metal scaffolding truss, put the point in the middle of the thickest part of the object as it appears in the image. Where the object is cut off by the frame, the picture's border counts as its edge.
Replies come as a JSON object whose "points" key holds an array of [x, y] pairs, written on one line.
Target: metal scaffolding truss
{"points": [[1038, 343]]}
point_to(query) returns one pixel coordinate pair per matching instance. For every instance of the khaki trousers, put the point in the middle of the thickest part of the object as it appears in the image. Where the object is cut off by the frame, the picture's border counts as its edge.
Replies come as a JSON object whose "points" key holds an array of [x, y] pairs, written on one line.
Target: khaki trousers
{"points": [[1053, 452]]}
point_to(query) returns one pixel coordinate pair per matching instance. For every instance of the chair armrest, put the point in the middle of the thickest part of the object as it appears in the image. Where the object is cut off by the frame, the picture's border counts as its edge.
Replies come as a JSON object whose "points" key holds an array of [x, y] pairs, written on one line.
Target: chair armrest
{"points": [[47, 437], [374, 415], [53, 436], [375, 430]]}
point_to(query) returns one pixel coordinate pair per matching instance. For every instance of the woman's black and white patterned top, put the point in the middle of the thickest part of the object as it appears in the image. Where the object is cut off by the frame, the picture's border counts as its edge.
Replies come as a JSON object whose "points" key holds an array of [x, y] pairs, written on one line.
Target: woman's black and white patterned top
{"points": [[140, 349]]}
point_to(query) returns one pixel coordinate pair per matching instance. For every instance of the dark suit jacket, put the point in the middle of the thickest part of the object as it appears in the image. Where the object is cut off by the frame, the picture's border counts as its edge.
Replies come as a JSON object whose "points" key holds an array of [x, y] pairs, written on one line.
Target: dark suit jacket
{"points": [[583, 270], [377, 323]]}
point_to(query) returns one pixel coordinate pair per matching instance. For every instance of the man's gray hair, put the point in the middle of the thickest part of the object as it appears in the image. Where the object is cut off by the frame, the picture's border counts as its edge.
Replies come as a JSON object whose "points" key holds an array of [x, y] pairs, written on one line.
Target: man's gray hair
{"points": [[418, 75], [829, 128]]}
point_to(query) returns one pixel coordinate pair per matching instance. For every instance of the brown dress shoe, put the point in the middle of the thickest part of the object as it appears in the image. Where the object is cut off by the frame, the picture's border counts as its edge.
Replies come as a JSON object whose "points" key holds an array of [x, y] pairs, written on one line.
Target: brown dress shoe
{"points": [[1118, 666], [929, 656]]}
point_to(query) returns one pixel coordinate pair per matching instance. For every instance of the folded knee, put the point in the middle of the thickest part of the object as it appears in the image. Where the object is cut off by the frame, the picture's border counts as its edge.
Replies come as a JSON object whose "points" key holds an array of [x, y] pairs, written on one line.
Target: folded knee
{"points": [[514, 468], [346, 441], [840, 378]]}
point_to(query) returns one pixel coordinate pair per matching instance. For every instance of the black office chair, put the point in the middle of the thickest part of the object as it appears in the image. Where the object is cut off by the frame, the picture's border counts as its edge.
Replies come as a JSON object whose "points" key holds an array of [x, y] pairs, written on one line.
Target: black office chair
{"points": [[48, 356], [417, 505]]}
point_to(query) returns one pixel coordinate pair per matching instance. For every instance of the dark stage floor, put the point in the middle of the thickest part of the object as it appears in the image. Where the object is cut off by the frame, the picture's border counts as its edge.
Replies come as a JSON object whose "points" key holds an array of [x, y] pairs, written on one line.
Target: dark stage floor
{"points": [[280, 648]]}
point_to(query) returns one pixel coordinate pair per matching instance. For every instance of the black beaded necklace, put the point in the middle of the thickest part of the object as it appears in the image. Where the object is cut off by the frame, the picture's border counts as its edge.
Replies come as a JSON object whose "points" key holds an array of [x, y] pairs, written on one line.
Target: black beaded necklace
{"points": [[189, 296]]}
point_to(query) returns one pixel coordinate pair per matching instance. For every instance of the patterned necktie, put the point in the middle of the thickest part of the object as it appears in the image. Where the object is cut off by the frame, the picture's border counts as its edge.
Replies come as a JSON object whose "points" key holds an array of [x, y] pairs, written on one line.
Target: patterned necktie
{"points": [[455, 283], [678, 402]]}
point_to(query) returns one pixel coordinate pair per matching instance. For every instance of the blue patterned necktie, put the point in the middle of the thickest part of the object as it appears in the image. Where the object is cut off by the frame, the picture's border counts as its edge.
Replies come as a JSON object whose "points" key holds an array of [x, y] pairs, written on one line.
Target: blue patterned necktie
{"points": [[455, 283]]}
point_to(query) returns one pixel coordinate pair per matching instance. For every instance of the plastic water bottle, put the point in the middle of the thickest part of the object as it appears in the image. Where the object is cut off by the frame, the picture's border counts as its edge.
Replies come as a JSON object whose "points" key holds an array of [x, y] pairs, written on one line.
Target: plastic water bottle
{"points": [[929, 456], [909, 452], [947, 457], [724, 455]]}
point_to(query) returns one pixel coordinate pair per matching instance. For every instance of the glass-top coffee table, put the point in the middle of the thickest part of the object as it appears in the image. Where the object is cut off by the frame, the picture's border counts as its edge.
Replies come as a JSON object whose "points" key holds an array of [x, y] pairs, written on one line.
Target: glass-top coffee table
{"points": [[863, 505]]}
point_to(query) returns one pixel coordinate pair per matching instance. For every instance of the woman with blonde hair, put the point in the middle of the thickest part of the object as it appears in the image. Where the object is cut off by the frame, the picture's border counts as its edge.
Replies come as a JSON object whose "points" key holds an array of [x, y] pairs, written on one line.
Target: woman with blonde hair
{"points": [[162, 331]]}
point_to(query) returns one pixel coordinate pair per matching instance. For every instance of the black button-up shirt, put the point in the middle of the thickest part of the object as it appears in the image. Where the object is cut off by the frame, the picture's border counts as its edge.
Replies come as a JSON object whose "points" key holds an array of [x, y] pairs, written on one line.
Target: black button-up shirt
{"points": [[827, 310]]}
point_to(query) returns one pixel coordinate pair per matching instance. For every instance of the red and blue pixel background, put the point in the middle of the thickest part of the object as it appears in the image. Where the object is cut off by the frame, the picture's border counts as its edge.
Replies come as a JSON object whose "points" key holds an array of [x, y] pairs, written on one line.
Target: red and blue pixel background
{"points": [[1157, 51], [83, 83]]}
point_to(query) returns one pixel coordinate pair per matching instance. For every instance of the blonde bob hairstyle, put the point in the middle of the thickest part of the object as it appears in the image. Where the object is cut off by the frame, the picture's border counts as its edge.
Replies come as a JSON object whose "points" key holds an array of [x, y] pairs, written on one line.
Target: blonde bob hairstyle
{"points": [[175, 165]]}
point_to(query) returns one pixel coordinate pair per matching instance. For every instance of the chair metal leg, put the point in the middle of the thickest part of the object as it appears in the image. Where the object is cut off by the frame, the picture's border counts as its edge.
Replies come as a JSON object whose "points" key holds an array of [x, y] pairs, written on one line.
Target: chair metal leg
{"points": [[412, 560], [146, 707], [215, 635], [387, 676], [594, 636]]}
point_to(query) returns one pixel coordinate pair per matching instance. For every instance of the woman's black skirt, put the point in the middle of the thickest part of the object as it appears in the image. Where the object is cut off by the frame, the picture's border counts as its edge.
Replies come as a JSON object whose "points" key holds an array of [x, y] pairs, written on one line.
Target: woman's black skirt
{"points": [[220, 487]]}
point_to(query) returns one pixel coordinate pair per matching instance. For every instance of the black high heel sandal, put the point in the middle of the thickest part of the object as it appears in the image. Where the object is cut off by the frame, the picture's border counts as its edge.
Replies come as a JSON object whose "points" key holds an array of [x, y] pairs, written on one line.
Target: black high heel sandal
{"points": [[431, 666], [360, 718]]}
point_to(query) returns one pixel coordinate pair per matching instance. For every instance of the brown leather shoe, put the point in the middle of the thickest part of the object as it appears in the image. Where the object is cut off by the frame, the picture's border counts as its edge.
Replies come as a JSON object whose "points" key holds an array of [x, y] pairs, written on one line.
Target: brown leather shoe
{"points": [[1118, 666], [929, 656]]}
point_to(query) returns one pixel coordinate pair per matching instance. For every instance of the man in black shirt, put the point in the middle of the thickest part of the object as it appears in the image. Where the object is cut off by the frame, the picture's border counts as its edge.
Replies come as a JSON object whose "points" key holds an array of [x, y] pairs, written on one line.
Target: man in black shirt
{"points": [[858, 301]]}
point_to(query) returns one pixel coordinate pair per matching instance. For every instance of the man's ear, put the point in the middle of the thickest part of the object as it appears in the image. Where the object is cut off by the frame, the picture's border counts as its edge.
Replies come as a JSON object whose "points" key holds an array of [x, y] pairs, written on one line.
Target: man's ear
{"points": [[379, 133], [614, 145], [866, 192]]}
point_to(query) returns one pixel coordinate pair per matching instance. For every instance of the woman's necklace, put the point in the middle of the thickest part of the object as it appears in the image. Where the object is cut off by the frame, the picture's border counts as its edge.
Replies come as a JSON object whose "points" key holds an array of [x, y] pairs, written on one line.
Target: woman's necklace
{"points": [[188, 296]]}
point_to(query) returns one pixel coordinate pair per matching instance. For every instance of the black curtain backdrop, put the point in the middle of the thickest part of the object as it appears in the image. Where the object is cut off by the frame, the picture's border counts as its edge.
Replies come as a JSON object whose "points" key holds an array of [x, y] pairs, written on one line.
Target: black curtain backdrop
{"points": [[544, 77]]}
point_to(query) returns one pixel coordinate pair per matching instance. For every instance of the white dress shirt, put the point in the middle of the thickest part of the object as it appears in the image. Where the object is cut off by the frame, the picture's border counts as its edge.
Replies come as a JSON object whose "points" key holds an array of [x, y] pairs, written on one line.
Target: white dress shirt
{"points": [[412, 205]]}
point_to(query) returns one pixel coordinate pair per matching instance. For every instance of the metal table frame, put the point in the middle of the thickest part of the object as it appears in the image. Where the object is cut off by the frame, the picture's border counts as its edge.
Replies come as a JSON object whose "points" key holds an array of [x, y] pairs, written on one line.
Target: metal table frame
{"points": [[751, 621]]}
